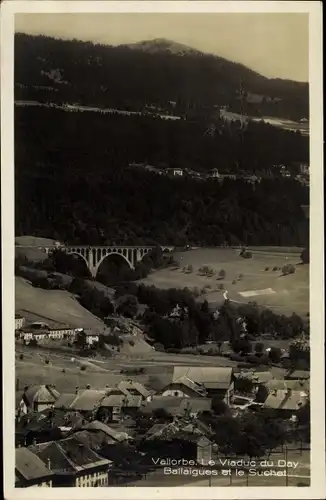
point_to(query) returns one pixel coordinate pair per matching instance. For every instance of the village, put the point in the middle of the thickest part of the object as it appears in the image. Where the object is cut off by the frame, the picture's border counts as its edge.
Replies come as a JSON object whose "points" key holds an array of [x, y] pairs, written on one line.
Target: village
{"points": [[129, 432]]}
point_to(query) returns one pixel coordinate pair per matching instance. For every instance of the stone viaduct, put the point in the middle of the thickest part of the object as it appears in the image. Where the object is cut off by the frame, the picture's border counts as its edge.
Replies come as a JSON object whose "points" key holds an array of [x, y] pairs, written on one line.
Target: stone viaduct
{"points": [[95, 255]]}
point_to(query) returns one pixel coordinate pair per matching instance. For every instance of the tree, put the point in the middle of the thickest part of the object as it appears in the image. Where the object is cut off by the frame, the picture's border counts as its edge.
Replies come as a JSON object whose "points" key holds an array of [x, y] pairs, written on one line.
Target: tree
{"points": [[259, 347], [219, 407], [128, 306], [243, 384], [227, 431], [161, 414], [275, 354]]}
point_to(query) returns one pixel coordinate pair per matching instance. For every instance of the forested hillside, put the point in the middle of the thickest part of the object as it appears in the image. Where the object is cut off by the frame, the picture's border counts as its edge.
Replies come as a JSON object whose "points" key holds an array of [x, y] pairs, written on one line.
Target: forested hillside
{"points": [[130, 78], [73, 182]]}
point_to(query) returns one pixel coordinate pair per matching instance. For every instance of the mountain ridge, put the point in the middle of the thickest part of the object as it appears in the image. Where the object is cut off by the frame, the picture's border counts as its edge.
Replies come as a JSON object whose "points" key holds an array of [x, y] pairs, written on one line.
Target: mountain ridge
{"points": [[152, 72], [156, 45]]}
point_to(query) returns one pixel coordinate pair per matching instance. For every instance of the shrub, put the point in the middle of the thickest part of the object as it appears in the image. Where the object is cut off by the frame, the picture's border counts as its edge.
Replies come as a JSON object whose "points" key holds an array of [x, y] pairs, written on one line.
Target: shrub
{"points": [[47, 361], [173, 350], [63, 370], [240, 277], [83, 368], [132, 342], [305, 256], [246, 255], [222, 274], [234, 282], [236, 357], [189, 350], [221, 286], [243, 365], [253, 359], [21, 356], [159, 347], [275, 268], [288, 269], [266, 268]]}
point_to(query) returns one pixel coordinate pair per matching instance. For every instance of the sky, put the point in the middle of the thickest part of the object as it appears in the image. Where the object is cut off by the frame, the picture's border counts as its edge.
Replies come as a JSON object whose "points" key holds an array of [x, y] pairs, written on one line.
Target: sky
{"points": [[275, 45]]}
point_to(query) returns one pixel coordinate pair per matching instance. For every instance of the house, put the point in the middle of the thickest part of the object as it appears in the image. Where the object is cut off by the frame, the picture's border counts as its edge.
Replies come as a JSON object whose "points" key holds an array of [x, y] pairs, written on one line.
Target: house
{"points": [[87, 337], [19, 321], [115, 405], [131, 388], [297, 375], [183, 388], [28, 333], [175, 441], [65, 401], [62, 420], [227, 176], [20, 406], [97, 427], [73, 463], [176, 406], [31, 471], [217, 381], [196, 447], [58, 332], [214, 174], [286, 402], [88, 401], [39, 397], [175, 172], [44, 426]]}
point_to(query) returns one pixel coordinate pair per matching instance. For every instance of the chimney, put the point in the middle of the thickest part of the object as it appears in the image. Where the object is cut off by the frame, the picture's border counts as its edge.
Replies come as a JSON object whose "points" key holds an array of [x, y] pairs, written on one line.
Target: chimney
{"points": [[49, 463], [288, 391], [77, 389]]}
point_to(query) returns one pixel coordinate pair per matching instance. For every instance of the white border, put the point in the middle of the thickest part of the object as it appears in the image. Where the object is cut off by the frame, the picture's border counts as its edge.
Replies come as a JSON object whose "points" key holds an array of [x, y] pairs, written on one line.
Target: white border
{"points": [[314, 8]]}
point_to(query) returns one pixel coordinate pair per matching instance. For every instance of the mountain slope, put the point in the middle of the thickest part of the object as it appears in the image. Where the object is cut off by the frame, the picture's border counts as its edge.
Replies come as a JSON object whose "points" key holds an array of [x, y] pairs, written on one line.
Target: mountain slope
{"points": [[150, 72]]}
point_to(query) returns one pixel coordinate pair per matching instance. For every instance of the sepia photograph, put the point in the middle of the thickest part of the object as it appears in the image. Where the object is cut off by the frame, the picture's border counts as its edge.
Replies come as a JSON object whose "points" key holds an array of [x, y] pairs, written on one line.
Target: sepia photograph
{"points": [[162, 171]]}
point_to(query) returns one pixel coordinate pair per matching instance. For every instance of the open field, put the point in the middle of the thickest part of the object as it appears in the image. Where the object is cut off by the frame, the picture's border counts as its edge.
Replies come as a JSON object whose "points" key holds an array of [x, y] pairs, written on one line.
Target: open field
{"points": [[100, 371], [288, 293], [57, 305]]}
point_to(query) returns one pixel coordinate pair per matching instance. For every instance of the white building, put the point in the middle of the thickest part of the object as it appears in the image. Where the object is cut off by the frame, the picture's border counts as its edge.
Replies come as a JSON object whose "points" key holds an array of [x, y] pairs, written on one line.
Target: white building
{"points": [[19, 321]]}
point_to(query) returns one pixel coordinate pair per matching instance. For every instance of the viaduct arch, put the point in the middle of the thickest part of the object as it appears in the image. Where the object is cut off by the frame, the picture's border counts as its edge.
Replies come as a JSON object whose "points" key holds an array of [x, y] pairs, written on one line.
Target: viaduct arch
{"points": [[95, 255]]}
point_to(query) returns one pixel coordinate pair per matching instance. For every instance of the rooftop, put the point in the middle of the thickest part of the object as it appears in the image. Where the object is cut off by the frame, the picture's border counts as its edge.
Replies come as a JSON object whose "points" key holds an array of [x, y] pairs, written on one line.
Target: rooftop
{"points": [[88, 400], [298, 385], [210, 377], [96, 425], [40, 394], [30, 466], [121, 400], [176, 406], [286, 400], [129, 385], [68, 455]]}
